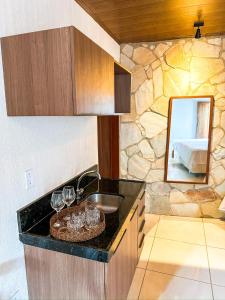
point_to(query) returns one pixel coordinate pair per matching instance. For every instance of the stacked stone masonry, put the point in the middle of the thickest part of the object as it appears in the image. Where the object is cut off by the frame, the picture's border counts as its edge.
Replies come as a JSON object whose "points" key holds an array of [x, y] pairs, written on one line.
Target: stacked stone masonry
{"points": [[159, 71]]}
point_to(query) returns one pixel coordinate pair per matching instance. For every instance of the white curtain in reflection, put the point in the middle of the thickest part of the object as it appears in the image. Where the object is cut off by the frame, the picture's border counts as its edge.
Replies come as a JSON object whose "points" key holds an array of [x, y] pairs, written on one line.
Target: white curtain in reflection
{"points": [[203, 120]]}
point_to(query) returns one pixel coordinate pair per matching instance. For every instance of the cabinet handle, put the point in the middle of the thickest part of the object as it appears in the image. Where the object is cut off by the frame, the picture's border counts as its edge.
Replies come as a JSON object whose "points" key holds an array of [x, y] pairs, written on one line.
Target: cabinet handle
{"points": [[142, 196], [120, 240], [142, 225], [142, 240], [134, 213], [143, 209]]}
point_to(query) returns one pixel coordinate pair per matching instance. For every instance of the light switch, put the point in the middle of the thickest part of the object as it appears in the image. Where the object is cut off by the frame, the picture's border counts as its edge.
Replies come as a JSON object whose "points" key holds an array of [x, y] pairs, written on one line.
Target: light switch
{"points": [[29, 179]]}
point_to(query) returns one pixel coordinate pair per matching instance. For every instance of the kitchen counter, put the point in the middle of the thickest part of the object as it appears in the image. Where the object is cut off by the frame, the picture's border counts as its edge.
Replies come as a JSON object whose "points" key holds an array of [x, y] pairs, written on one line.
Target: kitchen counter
{"points": [[33, 220]]}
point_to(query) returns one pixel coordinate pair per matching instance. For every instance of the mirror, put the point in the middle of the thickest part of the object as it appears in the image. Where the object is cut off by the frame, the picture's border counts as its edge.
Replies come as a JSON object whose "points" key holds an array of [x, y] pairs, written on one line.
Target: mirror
{"points": [[188, 139]]}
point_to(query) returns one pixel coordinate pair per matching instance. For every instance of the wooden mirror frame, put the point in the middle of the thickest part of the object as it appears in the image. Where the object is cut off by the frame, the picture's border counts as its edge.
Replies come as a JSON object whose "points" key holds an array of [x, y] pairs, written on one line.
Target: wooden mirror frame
{"points": [[168, 138]]}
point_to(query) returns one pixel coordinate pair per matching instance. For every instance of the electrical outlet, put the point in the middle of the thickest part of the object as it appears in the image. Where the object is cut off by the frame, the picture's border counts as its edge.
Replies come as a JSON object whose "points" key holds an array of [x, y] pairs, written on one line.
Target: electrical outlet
{"points": [[29, 179]]}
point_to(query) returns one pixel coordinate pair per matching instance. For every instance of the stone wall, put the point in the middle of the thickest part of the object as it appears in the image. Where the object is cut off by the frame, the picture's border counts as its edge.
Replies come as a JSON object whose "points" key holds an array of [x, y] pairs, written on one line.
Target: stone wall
{"points": [[161, 70]]}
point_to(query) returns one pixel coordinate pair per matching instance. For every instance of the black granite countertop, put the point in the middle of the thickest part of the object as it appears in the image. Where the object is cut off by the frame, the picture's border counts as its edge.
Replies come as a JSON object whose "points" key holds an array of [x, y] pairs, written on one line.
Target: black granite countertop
{"points": [[33, 220]]}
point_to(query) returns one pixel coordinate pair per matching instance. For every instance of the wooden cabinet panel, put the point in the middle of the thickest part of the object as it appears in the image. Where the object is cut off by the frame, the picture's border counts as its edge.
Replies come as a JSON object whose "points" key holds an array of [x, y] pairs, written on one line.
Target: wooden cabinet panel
{"points": [[53, 275], [121, 268], [117, 285], [133, 243], [141, 222], [93, 75], [108, 146], [37, 73], [57, 72], [122, 78]]}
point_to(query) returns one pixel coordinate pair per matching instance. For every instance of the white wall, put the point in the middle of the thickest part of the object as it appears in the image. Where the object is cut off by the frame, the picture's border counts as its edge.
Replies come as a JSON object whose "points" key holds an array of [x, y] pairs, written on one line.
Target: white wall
{"points": [[56, 148]]}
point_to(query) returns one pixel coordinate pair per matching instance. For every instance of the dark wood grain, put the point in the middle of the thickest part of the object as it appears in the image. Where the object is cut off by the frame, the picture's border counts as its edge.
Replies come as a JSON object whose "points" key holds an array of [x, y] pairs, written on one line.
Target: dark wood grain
{"points": [[57, 72], [37, 71], [93, 75], [53, 275], [155, 20], [108, 146], [122, 89], [168, 138]]}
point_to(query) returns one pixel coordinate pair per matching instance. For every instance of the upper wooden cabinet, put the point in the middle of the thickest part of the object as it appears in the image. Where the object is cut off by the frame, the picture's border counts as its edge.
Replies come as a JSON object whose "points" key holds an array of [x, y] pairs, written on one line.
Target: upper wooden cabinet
{"points": [[92, 76], [57, 72]]}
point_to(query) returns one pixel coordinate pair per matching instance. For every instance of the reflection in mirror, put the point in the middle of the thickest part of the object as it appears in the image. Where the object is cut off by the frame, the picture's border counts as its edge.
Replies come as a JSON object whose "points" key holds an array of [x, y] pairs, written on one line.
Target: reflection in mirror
{"points": [[188, 139]]}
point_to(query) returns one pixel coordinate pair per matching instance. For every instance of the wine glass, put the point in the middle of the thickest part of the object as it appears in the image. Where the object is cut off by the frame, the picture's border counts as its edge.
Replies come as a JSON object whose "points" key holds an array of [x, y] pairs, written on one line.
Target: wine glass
{"points": [[69, 197], [57, 204]]}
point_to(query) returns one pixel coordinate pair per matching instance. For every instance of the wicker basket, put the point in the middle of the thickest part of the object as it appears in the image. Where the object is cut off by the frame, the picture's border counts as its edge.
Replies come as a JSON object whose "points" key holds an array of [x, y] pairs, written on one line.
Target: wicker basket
{"points": [[83, 234]]}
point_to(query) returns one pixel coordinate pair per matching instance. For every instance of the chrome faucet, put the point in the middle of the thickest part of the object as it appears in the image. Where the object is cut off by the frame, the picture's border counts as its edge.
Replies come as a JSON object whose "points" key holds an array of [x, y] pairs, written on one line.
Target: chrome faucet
{"points": [[79, 191]]}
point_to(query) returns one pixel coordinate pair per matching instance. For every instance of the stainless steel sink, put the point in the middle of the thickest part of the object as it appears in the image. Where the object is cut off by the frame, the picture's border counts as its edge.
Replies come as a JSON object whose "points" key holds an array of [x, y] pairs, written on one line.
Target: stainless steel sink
{"points": [[107, 202]]}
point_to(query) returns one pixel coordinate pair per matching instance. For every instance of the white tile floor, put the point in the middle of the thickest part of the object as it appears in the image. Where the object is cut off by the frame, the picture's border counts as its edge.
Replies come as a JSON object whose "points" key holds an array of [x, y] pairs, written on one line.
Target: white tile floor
{"points": [[182, 259]]}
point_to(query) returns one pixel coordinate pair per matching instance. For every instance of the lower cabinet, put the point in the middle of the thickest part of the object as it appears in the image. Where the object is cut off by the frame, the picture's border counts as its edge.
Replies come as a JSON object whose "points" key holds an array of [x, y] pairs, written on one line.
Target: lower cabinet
{"points": [[121, 268], [54, 275]]}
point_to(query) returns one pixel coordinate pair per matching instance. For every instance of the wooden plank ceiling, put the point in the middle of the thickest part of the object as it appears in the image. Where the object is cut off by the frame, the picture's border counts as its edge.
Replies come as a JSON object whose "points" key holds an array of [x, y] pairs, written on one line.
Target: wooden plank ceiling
{"points": [[155, 20]]}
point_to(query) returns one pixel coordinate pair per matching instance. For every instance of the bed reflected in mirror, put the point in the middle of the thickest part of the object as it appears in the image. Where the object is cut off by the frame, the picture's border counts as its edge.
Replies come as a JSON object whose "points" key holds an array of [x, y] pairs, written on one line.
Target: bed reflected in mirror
{"points": [[188, 139]]}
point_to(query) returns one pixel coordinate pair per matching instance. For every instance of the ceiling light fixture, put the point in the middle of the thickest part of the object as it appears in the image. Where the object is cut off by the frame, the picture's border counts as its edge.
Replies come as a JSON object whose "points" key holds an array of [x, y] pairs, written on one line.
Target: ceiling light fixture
{"points": [[198, 24]]}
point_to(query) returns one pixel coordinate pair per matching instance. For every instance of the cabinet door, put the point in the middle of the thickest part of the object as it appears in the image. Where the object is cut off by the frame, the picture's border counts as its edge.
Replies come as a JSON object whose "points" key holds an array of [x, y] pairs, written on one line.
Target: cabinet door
{"points": [[133, 242], [93, 75], [121, 268], [53, 275], [37, 73]]}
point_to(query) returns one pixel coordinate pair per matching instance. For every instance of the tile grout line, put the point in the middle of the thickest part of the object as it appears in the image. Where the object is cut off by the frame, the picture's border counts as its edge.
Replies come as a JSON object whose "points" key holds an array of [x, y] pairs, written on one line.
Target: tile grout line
{"points": [[148, 258], [179, 241], [154, 237], [214, 247], [172, 275], [216, 284], [197, 244], [210, 276], [177, 275]]}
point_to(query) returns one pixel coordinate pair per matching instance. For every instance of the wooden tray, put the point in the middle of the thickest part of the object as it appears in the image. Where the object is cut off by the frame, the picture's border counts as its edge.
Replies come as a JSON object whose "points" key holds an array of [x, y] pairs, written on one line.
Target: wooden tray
{"points": [[81, 235]]}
